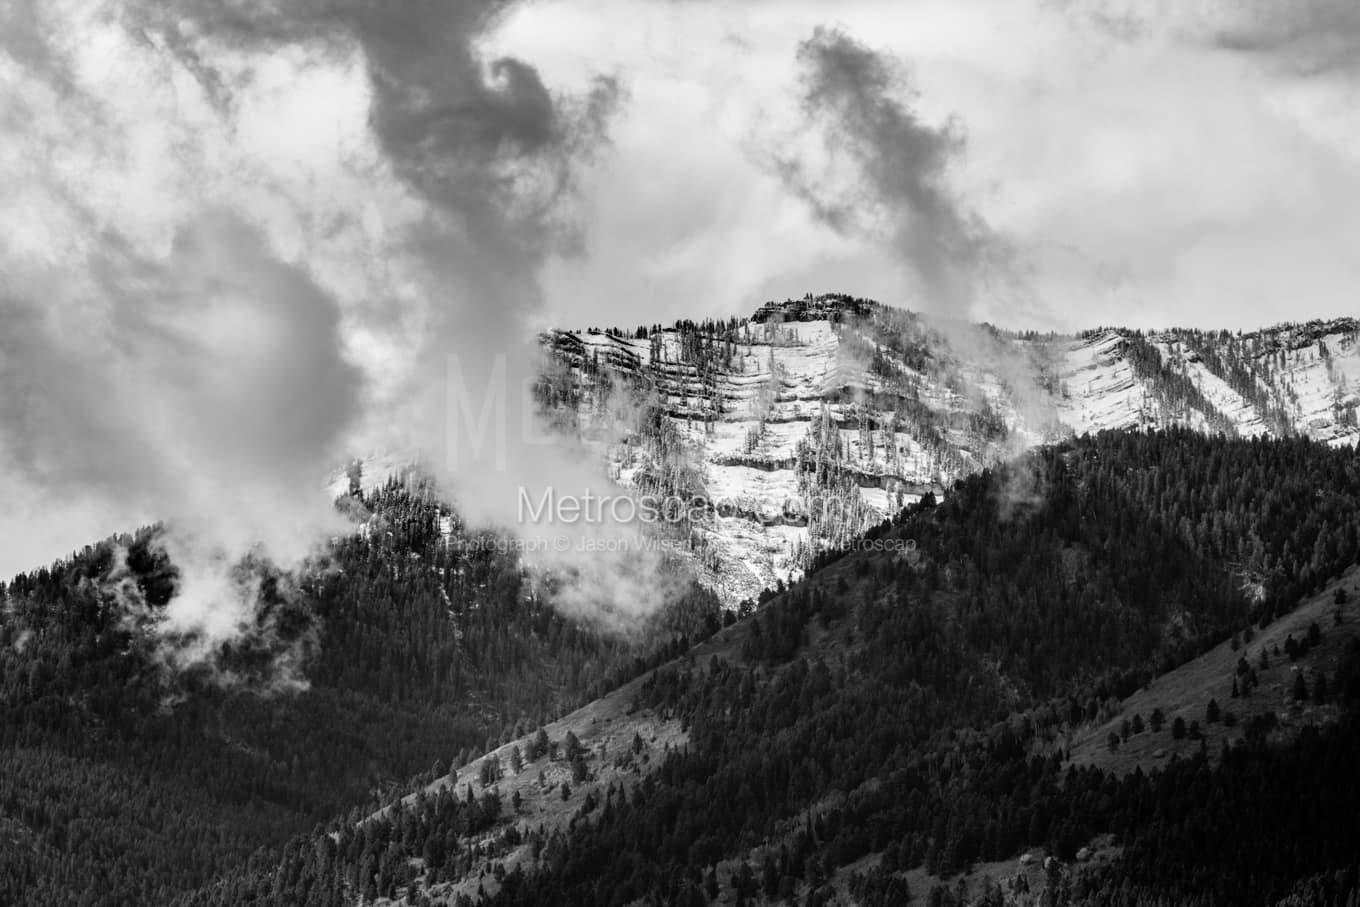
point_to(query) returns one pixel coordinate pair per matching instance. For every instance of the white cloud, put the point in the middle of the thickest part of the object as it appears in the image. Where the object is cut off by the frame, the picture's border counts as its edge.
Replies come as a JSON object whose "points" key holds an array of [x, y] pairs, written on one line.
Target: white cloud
{"points": [[1145, 173]]}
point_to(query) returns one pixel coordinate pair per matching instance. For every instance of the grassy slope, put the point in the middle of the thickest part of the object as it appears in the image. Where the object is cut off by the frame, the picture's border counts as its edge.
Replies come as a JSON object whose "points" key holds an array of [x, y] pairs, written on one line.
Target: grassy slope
{"points": [[612, 721], [606, 728], [1186, 691]]}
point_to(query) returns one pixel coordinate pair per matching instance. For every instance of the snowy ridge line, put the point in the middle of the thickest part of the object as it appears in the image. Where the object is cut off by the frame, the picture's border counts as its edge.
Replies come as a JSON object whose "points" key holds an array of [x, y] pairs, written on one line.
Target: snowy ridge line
{"points": [[833, 394]]}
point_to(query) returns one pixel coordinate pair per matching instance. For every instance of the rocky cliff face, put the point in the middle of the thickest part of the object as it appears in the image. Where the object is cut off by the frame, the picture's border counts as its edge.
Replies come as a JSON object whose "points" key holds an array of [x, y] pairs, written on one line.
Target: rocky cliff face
{"points": [[799, 426]]}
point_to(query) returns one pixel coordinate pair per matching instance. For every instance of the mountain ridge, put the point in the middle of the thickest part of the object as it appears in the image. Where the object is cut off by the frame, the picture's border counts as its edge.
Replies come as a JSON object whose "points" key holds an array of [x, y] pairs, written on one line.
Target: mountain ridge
{"points": [[884, 726], [844, 400]]}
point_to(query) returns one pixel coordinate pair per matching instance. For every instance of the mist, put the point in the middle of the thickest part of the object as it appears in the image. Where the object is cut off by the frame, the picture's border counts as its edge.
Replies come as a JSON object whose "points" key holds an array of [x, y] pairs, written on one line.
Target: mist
{"points": [[883, 171], [878, 170], [243, 242]]}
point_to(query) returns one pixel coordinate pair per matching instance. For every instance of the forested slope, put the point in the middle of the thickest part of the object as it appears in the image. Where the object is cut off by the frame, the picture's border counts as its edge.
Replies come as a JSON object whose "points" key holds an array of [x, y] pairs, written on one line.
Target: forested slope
{"points": [[900, 710], [123, 782]]}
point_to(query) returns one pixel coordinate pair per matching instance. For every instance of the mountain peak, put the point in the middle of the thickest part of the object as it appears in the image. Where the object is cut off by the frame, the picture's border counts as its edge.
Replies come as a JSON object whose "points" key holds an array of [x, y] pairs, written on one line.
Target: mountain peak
{"points": [[826, 307], [833, 398]]}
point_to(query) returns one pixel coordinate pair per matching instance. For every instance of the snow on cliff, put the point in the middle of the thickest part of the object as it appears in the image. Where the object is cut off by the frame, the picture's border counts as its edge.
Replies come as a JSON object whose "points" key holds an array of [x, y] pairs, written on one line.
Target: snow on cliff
{"points": [[809, 421]]}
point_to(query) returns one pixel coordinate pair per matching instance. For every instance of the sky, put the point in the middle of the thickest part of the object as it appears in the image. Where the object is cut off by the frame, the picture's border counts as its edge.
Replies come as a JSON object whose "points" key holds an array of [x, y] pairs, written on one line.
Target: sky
{"points": [[1143, 165], [240, 241]]}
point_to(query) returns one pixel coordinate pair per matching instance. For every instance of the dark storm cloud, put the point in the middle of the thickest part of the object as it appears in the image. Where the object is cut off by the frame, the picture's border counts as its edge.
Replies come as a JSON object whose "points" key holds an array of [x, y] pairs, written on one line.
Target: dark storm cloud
{"points": [[901, 162]]}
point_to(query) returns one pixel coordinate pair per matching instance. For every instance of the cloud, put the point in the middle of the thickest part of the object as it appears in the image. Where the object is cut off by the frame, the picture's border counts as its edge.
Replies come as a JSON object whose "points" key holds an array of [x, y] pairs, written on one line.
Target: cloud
{"points": [[1304, 38], [240, 239], [493, 154], [203, 388], [1310, 37], [1137, 172], [901, 169], [482, 140], [205, 385]]}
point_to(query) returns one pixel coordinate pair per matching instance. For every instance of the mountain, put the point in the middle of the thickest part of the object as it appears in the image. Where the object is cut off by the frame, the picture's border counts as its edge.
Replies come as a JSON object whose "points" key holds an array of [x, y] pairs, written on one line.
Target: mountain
{"points": [[812, 419], [930, 702], [125, 780], [913, 721]]}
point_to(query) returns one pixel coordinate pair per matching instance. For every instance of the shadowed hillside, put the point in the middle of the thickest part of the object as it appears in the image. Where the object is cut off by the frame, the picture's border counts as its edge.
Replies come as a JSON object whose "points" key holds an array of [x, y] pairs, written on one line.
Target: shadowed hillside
{"points": [[908, 714], [392, 656]]}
